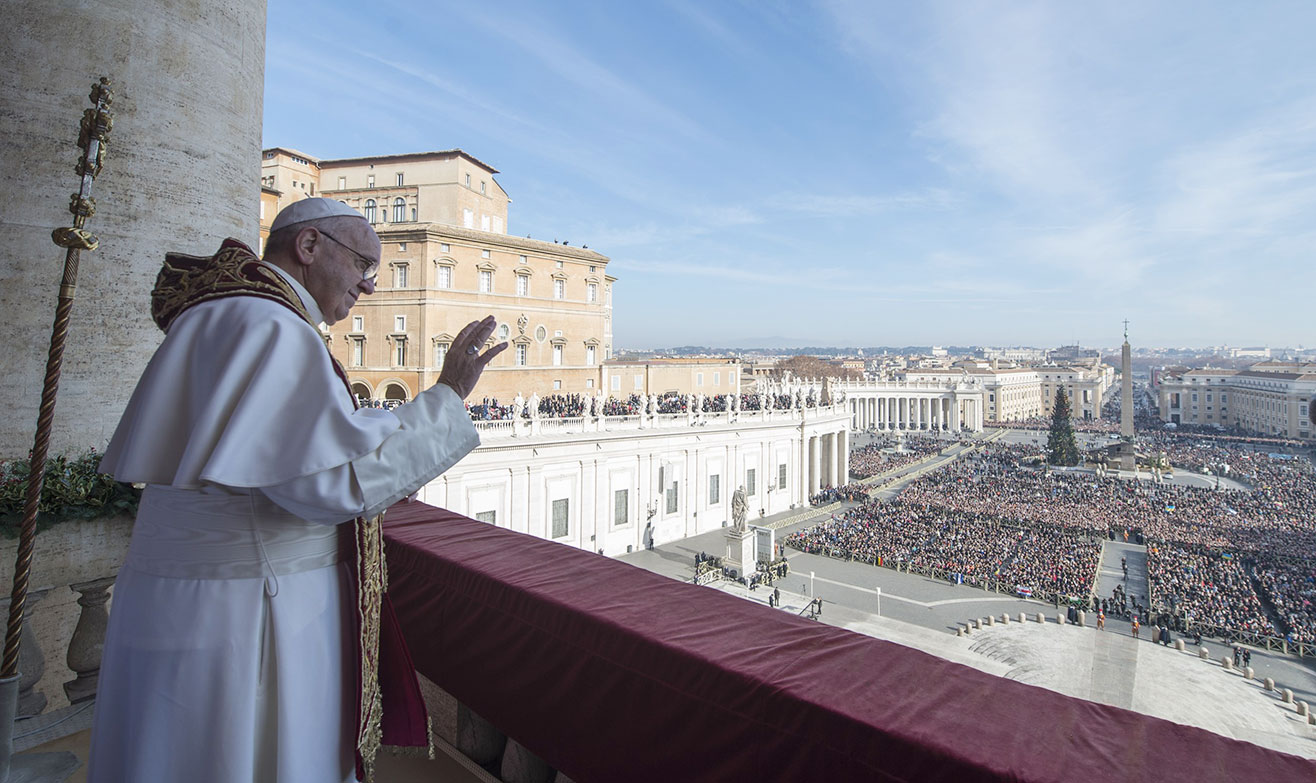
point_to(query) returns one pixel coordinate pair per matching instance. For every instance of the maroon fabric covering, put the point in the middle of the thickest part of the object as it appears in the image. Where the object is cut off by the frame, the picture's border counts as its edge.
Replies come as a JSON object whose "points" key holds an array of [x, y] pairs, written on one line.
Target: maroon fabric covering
{"points": [[612, 673]]}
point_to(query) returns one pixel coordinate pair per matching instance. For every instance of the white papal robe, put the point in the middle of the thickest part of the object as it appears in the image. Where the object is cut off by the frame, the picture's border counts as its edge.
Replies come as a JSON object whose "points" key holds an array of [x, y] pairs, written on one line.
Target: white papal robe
{"points": [[227, 658]]}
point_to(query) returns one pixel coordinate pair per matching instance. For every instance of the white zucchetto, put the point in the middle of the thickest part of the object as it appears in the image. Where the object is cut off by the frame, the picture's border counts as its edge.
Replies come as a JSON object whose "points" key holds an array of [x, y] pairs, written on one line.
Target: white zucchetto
{"points": [[312, 209]]}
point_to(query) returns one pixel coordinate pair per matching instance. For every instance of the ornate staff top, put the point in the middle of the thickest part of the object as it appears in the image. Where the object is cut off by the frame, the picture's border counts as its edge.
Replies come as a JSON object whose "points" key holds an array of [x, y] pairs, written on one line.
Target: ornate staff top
{"points": [[93, 137]]}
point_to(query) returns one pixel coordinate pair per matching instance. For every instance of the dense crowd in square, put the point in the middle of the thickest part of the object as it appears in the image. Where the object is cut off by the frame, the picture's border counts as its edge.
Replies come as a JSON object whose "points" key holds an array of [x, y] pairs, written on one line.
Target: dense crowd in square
{"points": [[877, 457], [1237, 559]]}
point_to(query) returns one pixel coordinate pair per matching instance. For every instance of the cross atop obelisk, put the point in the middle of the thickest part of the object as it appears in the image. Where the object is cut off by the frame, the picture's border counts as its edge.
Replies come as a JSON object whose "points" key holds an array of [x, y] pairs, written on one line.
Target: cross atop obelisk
{"points": [[1128, 457]]}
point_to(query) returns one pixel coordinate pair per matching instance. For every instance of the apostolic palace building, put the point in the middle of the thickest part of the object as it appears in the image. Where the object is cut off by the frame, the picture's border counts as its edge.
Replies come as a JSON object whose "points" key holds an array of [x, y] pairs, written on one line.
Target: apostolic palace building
{"points": [[447, 259]]}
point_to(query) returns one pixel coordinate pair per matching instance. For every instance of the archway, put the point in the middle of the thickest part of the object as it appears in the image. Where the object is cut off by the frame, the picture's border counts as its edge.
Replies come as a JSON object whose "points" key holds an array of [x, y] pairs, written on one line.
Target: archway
{"points": [[361, 391], [395, 394]]}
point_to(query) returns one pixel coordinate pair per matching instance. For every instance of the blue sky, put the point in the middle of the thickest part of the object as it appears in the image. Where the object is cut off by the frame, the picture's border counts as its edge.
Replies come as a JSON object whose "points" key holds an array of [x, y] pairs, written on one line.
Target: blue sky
{"points": [[860, 173]]}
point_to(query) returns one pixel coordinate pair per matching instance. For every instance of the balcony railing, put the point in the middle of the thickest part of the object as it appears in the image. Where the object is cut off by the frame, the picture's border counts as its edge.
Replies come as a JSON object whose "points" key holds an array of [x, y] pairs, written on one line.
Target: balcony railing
{"points": [[607, 672]]}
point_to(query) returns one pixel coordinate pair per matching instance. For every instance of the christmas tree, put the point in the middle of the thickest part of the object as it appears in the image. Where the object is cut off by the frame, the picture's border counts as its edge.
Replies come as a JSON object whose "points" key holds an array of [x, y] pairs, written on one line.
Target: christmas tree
{"points": [[1061, 448]]}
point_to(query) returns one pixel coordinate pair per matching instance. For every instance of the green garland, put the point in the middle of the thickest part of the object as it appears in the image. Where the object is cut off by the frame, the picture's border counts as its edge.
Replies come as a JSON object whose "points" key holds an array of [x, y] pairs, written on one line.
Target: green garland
{"points": [[73, 489]]}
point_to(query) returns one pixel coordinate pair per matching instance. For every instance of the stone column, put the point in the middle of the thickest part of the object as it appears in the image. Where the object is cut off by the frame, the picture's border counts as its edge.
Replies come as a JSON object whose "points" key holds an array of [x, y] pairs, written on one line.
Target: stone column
{"points": [[31, 659], [181, 173], [833, 459], [815, 464], [88, 642], [843, 457]]}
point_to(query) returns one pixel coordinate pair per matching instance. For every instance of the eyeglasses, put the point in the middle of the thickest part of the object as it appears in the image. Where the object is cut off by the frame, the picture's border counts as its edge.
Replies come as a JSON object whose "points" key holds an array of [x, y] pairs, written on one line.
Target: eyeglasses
{"points": [[370, 271]]}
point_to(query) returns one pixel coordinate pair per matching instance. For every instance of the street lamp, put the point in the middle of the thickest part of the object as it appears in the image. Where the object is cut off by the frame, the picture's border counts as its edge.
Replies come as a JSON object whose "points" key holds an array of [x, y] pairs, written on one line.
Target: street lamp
{"points": [[811, 585]]}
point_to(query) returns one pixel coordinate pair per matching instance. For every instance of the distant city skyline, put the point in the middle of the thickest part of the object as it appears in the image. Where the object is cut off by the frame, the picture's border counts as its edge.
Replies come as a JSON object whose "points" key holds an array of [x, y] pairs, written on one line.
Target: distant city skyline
{"points": [[848, 173]]}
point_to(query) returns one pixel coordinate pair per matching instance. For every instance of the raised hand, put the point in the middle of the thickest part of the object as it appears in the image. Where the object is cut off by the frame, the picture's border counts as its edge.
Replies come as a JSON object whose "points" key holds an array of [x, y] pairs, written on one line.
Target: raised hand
{"points": [[464, 362]]}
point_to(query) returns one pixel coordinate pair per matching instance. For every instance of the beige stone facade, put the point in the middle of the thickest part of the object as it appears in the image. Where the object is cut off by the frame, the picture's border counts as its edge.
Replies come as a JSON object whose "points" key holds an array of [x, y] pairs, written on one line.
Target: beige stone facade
{"points": [[1016, 393], [447, 260], [1086, 387], [269, 207], [1010, 395], [709, 377], [1268, 398]]}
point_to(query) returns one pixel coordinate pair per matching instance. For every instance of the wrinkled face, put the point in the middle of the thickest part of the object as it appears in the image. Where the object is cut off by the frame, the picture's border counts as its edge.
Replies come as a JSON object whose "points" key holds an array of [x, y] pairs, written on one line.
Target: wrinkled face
{"points": [[339, 259]]}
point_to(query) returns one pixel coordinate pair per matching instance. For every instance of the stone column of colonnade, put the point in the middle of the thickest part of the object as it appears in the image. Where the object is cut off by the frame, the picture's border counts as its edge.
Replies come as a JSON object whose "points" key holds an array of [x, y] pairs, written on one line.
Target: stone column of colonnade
{"points": [[179, 174], [843, 457], [814, 464]]}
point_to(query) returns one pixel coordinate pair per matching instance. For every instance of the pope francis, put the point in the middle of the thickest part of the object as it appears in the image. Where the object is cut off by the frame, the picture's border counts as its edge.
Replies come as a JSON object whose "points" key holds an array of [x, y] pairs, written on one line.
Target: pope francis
{"points": [[251, 638]]}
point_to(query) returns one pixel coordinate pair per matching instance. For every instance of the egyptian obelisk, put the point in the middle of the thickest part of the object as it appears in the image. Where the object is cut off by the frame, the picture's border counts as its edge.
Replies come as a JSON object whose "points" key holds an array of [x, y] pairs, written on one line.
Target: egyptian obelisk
{"points": [[1128, 459]]}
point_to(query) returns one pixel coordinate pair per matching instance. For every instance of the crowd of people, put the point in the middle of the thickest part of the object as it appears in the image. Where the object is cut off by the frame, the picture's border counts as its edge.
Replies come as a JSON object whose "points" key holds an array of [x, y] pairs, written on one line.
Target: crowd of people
{"points": [[878, 457], [970, 548], [850, 493], [1227, 558], [1207, 588], [566, 406], [1044, 423]]}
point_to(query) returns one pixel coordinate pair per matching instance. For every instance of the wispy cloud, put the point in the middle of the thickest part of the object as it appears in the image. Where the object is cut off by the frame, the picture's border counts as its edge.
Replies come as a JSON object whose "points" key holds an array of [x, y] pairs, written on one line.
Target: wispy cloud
{"points": [[556, 52], [860, 205], [1252, 184]]}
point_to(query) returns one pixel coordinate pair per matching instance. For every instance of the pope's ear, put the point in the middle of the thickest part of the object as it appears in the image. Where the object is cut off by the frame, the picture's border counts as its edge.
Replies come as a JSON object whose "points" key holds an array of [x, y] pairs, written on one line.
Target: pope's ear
{"points": [[304, 245]]}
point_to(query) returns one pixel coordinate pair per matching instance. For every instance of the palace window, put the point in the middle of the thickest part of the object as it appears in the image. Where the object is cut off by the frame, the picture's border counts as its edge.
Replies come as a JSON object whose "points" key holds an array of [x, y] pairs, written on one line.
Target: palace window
{"points": [[400, 275], [371, 215], [751, 484], [781, 476], [523, 285], [468, 219], [358, 323], [589, 355], [358, 351], [399, 179], [673, 496], [400, 352], [484, 516], [399, 323], [561, 508], [440, 353], [342, 183], [714, 489], [399, 209], [592, 292], [486, 281], [557, 356], [445, 277], [559, 289], [521, 355], [621, 507]]}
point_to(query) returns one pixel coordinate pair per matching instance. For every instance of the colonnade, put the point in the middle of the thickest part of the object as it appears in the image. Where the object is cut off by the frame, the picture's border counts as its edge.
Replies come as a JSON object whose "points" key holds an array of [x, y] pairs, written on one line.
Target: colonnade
{"points": [[828, 460], [897, 411]]}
